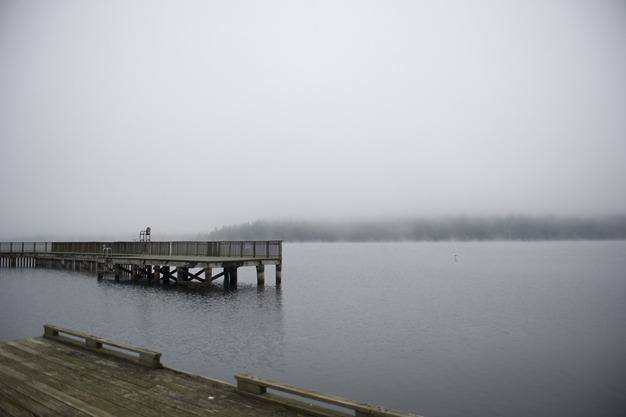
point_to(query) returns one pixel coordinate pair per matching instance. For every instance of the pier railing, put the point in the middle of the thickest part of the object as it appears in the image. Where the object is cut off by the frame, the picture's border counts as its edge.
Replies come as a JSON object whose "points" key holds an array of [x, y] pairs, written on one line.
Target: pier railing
{"points": [[122, 351], [240, 248], [257, 387]]}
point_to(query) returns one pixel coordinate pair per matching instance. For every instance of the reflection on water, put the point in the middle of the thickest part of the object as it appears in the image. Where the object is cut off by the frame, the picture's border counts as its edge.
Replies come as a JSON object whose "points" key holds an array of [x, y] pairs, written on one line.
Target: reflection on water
{"points": [[500, 329]]}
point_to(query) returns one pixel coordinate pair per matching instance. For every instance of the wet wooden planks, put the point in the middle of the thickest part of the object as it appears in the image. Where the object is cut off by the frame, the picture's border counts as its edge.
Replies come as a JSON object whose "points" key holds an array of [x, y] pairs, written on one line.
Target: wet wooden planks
{"points": [[41, 377]]}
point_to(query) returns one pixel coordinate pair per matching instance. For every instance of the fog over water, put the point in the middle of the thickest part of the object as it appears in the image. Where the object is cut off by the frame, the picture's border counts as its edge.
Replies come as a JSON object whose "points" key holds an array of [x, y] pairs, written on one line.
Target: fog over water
{"points": [[190, 115]]}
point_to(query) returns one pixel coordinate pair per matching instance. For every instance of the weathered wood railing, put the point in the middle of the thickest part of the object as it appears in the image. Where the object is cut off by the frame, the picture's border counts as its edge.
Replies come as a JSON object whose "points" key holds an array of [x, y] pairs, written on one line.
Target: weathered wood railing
{"points": [[25, 247], [122, 351], [251, 248], [257, 387]]}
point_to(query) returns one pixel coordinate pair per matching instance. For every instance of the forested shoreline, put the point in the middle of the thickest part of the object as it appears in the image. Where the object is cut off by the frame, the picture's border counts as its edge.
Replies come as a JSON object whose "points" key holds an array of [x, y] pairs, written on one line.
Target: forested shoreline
{"points": [[428, 229]]}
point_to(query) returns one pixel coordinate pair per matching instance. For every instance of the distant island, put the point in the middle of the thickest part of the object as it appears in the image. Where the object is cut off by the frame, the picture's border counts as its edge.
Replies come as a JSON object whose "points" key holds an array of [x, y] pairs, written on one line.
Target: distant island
{"points": [[464, 228]]}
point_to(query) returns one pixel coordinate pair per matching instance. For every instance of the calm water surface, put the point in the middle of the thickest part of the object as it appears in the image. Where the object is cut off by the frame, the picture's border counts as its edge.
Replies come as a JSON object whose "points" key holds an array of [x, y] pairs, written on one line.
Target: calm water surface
{"points": [[509, 329]]}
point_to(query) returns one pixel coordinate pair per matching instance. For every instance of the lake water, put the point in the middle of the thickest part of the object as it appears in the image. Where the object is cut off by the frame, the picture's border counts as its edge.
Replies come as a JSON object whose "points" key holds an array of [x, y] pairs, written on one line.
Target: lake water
{"points": [[508, 329]]}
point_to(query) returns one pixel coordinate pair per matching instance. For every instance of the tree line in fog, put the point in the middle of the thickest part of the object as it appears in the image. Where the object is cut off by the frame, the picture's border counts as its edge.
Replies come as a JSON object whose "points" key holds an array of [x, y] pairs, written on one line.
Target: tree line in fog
{"points": [[428, 229]]}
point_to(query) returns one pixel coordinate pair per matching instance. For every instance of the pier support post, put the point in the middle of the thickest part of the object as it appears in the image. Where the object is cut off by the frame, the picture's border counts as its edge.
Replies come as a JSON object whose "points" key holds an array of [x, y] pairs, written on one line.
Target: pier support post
{"points": [[166, 276], [183, 275], [134, 273], [208, 274], [226, 279], [117, 273], [279, 274], [156, 273], [260, 275], [233, 279]]}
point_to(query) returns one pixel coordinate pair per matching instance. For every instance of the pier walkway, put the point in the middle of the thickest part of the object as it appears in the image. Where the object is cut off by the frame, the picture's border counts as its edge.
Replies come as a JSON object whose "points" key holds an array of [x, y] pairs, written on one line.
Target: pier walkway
{"points": [[68, 373], [168, 263]]}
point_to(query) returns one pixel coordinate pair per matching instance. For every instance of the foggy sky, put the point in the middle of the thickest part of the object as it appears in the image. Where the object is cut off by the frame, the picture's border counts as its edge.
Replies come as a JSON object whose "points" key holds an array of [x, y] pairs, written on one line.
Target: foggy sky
{"points": [[185, 115]]}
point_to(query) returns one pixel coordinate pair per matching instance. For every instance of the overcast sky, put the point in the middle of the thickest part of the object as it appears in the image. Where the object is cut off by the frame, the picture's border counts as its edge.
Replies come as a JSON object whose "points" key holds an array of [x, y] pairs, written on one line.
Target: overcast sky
{"points": [[182, 115]]}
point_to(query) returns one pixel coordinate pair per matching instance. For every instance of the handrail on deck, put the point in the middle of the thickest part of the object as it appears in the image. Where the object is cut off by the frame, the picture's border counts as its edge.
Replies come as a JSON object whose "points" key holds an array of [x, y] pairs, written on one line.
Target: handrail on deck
{"points": [[144, 357], [255, 386]]}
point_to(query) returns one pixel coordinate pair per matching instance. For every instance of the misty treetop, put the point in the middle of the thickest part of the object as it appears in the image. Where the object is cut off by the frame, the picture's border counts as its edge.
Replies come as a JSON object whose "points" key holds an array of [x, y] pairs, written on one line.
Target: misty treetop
{"points": [[429, 229]]}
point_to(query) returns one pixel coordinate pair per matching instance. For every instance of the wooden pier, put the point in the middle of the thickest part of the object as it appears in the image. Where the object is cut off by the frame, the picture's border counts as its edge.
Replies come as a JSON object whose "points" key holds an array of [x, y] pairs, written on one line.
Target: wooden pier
{"points": [[68, 373], [168, 263]]}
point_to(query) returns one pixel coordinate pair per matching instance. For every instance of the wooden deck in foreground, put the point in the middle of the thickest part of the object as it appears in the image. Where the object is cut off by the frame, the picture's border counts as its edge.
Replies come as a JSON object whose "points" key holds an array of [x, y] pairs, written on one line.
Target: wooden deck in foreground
{"points": [[68, 373]]}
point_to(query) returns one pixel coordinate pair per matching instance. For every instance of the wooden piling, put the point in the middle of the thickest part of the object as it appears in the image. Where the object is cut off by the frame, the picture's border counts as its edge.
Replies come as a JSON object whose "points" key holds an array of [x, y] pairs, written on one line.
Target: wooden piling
{"points": [[208, 274], [183, 275], [260, 275], [135, 273], [226, 279], [279, 273], [233, 279], [156, 273], [166, 276]]}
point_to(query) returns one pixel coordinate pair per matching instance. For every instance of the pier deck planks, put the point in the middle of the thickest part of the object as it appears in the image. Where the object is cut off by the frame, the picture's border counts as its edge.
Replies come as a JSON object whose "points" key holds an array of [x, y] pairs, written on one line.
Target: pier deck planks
{"points": [[46, 378]]}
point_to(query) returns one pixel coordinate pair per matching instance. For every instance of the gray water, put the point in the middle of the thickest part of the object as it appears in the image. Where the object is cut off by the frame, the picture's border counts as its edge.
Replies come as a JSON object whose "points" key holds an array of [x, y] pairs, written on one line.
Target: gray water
{"points": [[509, 329]]}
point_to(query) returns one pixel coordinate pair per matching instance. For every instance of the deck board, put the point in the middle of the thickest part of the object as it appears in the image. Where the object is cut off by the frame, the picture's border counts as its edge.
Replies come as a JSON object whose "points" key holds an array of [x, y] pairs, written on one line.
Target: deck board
{"points": [[47, 378], [18, 398]]}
